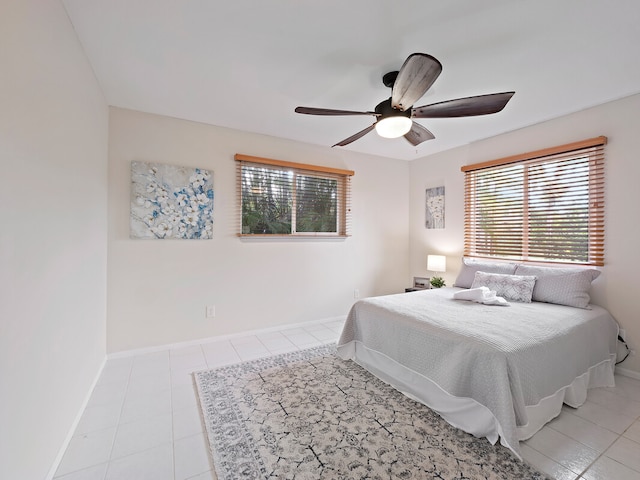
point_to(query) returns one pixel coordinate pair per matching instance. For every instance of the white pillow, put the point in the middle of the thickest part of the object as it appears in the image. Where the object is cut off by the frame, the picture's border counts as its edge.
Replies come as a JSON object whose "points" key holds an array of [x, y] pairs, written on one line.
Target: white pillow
{"points": [[563, 286], [470, 266], [518, 288]]}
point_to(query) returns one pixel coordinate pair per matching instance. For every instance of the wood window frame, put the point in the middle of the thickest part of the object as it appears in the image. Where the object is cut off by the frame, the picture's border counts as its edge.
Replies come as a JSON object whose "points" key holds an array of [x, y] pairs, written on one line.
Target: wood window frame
{"points": [[343, 177], [592, 153]]}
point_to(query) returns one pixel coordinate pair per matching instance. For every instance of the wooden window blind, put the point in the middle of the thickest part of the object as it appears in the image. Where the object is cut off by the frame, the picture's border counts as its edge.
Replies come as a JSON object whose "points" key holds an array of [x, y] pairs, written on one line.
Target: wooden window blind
{"points": [[278, 198], [542, 206]]}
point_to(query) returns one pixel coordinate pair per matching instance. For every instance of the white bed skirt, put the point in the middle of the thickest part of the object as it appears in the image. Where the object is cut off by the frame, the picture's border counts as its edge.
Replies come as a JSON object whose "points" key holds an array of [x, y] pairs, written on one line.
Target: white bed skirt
{"points": [[466, 413]]}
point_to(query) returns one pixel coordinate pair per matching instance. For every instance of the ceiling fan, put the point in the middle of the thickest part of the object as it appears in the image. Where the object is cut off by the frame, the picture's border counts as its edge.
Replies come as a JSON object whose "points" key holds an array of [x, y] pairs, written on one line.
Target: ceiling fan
{"points": [[394, 115]]}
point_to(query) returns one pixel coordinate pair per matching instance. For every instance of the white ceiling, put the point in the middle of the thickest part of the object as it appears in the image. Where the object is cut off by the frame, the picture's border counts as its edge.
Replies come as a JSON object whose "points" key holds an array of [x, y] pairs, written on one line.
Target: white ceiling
{"points": [[246, 64]]}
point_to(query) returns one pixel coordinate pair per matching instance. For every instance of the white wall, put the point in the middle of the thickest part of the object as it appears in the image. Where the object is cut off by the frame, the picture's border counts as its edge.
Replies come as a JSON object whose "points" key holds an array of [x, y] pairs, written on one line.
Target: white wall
{"points": [[158, 289], [53, 201], [616, 289]]}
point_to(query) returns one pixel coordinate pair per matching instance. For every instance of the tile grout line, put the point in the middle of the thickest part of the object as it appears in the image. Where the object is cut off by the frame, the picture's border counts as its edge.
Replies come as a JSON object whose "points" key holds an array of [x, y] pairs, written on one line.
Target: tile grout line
{"points": [[115, 435], [601, 454], [591, 464], [119, 424], [626, 438], [578, 475], [588, 421]]}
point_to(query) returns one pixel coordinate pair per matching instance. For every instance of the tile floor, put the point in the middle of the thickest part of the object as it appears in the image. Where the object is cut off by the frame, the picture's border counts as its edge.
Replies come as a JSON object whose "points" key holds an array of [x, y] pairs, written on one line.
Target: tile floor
{"points": [[142, 421]]}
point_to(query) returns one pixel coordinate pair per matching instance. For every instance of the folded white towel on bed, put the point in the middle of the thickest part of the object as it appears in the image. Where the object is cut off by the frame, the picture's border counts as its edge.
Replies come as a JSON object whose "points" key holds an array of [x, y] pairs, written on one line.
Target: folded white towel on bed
{"points": [[480, 295]]}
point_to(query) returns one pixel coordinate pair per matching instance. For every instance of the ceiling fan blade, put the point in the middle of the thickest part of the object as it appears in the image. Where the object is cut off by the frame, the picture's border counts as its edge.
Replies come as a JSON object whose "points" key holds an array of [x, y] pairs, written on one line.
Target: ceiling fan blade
{"points": [[418, 134], [464, 107], [355, 137], [417, 74], [329, 111]]}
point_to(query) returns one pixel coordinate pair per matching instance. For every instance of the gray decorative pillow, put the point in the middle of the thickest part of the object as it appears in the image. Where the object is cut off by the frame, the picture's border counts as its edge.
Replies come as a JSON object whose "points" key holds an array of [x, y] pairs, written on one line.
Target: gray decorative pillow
{"points": [[563, 286], [470, 266], [518, 288]]}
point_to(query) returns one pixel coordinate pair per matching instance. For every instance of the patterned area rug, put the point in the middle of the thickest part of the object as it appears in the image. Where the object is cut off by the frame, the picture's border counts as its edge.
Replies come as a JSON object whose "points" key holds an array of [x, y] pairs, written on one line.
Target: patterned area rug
{"points": [[309, 415]]}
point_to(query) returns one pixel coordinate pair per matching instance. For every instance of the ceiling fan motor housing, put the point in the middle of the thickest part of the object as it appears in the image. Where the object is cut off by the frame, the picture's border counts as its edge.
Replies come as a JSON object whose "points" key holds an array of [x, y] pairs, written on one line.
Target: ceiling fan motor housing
{"points": [[385, 110]]}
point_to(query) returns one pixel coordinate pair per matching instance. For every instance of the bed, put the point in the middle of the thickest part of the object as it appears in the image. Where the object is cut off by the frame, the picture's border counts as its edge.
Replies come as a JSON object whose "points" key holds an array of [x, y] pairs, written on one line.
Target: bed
{"points": [[499, 372]]}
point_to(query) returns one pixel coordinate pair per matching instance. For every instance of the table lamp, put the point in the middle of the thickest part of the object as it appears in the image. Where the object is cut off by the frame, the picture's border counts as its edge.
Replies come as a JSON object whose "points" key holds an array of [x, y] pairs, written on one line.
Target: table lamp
{"points": [[437, 263]]}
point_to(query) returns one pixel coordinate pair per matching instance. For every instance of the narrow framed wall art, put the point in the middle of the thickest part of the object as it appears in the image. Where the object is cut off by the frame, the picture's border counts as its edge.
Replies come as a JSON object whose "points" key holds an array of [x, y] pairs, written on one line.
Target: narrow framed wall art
{"points": [[434, 208]]}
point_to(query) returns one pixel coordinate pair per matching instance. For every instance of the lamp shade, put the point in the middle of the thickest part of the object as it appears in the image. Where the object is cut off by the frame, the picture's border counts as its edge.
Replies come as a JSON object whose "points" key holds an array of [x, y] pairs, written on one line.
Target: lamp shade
{"points": [[393, 127], [436, 263]]}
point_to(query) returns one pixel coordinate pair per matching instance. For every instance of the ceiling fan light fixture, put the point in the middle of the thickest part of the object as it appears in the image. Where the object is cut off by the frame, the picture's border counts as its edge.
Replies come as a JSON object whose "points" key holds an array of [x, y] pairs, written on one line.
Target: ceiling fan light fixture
{"points": [[409, 84], [393, 127]]}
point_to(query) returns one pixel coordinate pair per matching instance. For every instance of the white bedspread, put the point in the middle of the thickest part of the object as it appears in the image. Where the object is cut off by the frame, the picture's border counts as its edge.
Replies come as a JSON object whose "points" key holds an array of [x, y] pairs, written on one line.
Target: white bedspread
{"points": [[503, 358]]}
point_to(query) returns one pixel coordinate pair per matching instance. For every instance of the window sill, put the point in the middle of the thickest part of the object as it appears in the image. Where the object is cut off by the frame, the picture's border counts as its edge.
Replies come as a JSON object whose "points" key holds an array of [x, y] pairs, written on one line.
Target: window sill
{"points": [[272, 236]]}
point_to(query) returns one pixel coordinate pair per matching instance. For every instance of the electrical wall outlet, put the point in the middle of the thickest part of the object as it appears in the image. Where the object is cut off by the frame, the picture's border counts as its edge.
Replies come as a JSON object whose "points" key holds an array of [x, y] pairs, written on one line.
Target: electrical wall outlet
{"points": [[356, 294], [210, 311]]}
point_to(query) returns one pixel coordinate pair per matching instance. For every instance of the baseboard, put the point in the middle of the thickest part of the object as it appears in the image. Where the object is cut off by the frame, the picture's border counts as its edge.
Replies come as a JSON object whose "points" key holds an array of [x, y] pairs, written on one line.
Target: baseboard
{"points": [[628, 373], [74, 425], [200, 341]]}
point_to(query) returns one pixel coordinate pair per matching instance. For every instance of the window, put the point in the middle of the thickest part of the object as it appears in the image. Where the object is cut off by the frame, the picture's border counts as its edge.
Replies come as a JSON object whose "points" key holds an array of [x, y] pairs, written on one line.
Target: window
{"points": [[544, 206], [292, 199]]}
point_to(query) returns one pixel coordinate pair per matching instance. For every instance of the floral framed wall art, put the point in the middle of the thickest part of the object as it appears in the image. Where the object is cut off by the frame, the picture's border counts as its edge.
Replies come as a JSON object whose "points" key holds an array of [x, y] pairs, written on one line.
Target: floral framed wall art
{"points": [[170, 201], [434, 209]]}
